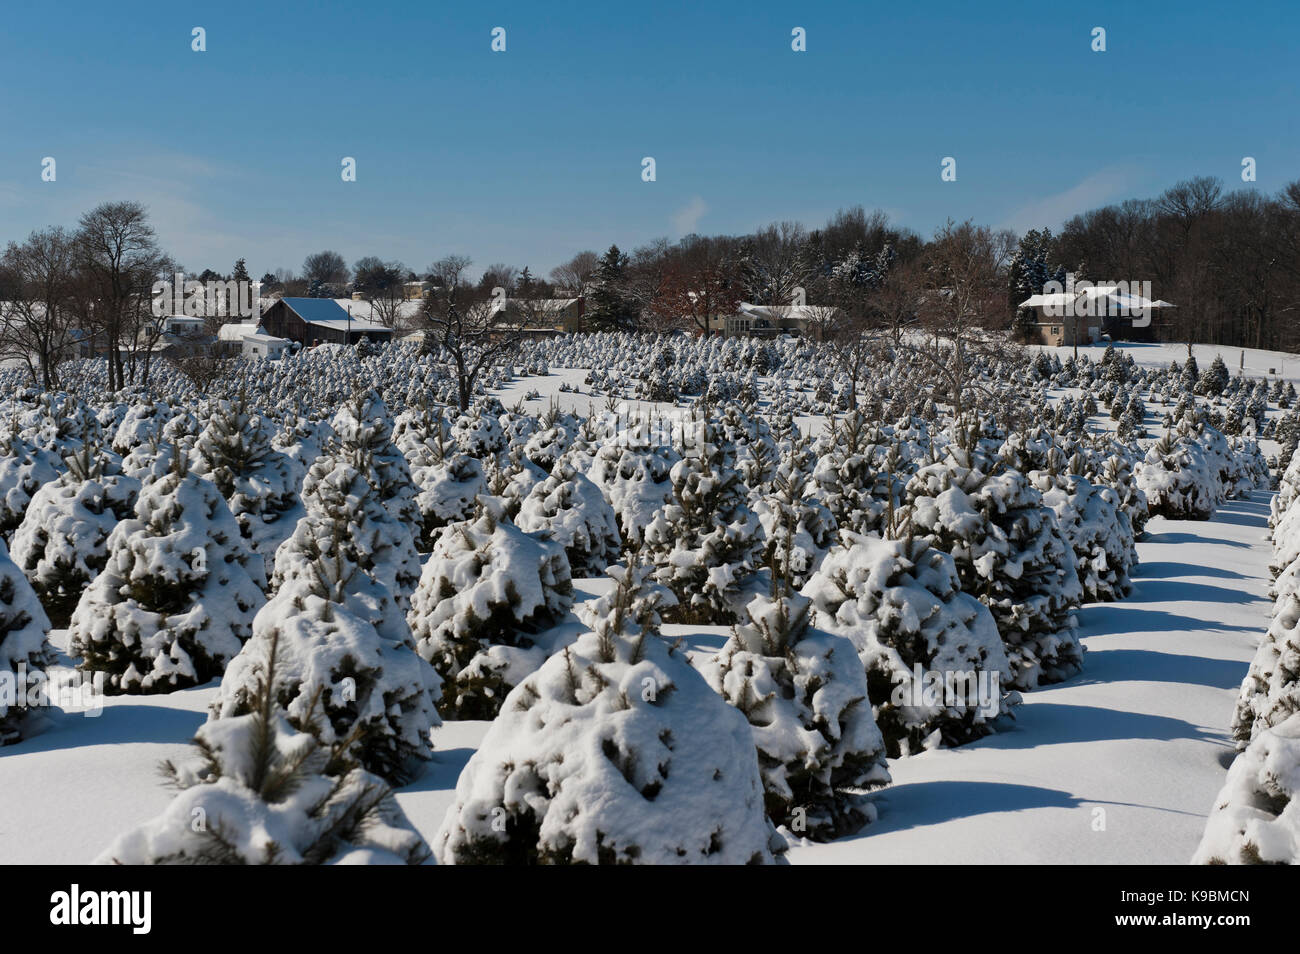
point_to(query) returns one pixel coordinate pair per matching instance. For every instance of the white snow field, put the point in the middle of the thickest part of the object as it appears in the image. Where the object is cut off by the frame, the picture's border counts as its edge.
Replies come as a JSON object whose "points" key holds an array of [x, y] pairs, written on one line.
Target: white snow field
{"points": [[1136, 745], [1252, 362], [1140, 735]]}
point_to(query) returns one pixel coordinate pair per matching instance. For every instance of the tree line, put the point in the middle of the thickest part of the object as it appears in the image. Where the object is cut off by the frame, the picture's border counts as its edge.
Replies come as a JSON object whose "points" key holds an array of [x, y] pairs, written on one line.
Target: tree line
{"points": [[1229, 261]]}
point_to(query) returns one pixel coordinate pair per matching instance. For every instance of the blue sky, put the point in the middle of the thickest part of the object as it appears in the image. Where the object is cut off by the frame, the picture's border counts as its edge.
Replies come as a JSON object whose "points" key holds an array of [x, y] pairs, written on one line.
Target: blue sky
{"points": [[531, 155]]}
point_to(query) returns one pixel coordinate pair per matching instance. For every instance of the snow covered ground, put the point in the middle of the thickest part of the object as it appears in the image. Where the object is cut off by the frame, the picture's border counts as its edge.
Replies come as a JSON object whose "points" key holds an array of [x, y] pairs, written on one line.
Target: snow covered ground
{"points": [[1139, 735], [1249, 361]]}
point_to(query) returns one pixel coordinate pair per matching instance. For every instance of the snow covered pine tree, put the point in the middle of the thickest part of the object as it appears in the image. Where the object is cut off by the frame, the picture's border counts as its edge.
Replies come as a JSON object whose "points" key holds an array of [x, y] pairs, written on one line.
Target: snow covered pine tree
{"points": [[616, 751], [804, 692], [488, 592], [23, 649], [175, 600], [262, 792]]}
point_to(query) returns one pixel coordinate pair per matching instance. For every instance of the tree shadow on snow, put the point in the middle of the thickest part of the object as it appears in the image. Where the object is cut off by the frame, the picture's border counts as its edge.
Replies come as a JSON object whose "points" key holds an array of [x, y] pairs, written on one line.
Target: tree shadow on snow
{"points": [[1182, 591], [1146, 665], [917, 804], [1057, 723], [115, 725], [1180, 536], [442, 772], [1115, 619], [1257, 504], [1240, 518], [1167, 569]]}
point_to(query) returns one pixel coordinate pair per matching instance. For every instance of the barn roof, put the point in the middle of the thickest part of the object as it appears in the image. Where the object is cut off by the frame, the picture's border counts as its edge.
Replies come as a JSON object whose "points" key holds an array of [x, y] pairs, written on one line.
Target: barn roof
{"points": [[328, 313]]}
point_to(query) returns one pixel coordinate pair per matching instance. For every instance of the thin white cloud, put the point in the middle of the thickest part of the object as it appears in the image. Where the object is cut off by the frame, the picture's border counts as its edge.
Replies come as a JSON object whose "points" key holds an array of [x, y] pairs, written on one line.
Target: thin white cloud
{"points": [[1051, 211], [687, 218]]}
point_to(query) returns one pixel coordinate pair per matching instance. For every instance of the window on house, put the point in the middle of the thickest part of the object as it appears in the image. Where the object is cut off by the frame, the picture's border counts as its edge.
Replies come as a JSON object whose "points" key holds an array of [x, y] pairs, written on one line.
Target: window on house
{"points": [[1056, 330]]}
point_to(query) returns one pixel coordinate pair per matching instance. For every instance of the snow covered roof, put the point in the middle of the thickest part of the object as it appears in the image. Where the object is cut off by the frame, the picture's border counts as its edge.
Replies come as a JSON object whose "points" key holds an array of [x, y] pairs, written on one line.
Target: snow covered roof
{"points": [[328, 313], [235, 331], [786, 312], [360, 308], [541, 304], [247, 331], [261, 337], [1093, 293]]}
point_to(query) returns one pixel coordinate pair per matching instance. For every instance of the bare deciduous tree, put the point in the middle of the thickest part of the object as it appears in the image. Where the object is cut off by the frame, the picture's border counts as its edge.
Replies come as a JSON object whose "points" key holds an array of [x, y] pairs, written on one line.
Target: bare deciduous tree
{"points": [[327, 267], [698, 289], [384, 286], [35, 307], [202, 365], [118, 260], [773, 263], [577, 273], [963, 308], [467, 325]]}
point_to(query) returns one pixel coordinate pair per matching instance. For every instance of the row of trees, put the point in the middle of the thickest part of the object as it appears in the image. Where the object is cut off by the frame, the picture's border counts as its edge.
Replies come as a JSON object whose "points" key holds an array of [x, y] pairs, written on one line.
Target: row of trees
{"points": [[869, 281], [1229, 261], [868, 292]]}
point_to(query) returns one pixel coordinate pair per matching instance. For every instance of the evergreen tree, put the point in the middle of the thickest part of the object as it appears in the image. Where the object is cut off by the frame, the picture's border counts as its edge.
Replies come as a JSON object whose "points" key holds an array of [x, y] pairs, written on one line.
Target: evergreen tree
{"points": [[258, 482], [1117, 473], [900, 603], [342, 486], [62, 543], [571, 509], [798, 529], [615, 751], [487, 595], [705, 544], [1270, 693], [804, 693], [1177, 480], [1287, 435], [609, 307], [364, 425], [1032, 265], [346, 661], [175, 600], [859, 474], [23, 650], [1214, 380], [261, 791], [447, 481], [636, 479], [1254, 817], [1098, 530], [24, 469], [1011, 555]]}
